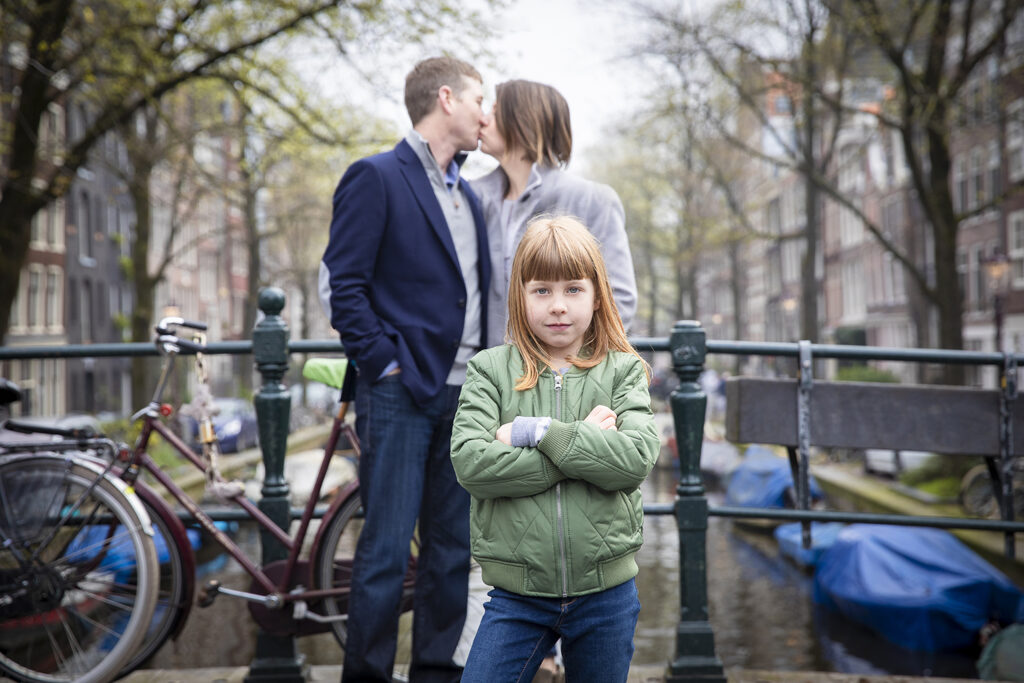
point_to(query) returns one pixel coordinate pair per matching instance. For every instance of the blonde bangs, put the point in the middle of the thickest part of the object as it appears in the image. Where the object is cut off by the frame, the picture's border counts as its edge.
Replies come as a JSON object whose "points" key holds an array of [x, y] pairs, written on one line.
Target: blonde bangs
{"points": [[557, 257], [561, 248]]}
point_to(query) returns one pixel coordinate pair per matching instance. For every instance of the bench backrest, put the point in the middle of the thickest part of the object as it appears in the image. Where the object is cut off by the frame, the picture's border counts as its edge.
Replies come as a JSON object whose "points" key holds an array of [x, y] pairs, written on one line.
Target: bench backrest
{"points": [[941, 419]]}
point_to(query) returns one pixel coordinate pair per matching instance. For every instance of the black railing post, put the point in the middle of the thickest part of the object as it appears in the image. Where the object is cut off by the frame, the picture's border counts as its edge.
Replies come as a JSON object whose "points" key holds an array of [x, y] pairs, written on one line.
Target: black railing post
{"points": [[277, 658], [695, 659]]}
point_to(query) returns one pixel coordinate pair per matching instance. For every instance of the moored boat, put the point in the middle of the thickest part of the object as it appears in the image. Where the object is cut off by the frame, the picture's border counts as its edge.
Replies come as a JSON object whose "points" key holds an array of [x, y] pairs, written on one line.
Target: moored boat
{"points": [[920, 588], [790, 538], [764, 480]]}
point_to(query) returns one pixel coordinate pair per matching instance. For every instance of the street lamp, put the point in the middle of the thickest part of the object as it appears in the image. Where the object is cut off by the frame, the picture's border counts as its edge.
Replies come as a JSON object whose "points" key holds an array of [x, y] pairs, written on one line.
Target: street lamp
{"points": [[997, 275], [789, 307], [716, 321]]}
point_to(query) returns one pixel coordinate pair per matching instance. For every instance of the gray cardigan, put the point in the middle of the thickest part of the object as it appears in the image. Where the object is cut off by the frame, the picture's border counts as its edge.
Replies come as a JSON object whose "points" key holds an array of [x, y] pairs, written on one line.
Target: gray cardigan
{"points": [[553, 191]]}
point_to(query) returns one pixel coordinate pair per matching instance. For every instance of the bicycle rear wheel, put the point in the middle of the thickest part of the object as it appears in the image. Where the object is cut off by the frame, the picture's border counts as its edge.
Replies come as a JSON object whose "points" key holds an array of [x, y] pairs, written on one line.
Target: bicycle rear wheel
{"points": [[78, 571], [333, 569]]}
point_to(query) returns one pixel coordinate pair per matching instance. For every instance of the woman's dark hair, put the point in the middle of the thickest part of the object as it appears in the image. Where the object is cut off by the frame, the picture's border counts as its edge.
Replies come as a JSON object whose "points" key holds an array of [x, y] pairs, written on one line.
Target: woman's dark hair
{"points": [[534, 118]]}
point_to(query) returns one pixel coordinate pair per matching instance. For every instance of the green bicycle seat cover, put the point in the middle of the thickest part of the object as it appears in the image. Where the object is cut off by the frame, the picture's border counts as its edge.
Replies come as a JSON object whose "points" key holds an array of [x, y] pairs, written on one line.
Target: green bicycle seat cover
{"points": [[330, 371]]}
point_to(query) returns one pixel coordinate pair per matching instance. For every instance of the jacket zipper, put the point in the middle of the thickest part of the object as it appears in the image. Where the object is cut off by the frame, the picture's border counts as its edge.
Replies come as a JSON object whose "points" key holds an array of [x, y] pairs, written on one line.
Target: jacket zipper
{"points": [[558, 495]]}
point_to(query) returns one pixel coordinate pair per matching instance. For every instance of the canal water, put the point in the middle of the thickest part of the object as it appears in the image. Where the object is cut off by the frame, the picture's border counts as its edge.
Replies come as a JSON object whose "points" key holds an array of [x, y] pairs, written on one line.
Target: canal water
{"points": [[760, 607]]}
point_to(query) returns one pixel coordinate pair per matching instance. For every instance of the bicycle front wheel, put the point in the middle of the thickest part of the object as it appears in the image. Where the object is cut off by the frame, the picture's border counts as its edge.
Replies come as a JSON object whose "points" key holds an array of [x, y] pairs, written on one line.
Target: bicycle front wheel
{"points": [[333, 569], [78, 571]]}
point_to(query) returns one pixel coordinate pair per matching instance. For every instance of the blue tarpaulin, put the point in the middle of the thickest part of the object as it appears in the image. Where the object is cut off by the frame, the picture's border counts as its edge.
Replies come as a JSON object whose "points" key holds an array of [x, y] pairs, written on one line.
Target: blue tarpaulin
{"points": [[919, 588], [761, 481], [118, 554], [790, 538]]}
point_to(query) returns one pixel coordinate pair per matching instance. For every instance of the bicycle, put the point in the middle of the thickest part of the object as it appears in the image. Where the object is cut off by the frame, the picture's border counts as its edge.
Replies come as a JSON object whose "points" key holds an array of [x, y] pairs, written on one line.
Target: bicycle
{"points": [[303, 594], [78, 565], [980, 498]]}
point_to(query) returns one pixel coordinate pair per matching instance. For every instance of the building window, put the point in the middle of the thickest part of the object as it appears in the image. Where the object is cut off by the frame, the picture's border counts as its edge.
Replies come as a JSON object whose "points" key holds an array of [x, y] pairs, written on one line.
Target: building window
{"points": [[854, 307], [892, 217], [35, 285], [1015, 225], [208, 278], [54, 298], [851, 228], [17, 319], [773, 216], [37, 236], [84, 224], [995, 178], [126, 237], [977, 256], [792, 251], [959, 184], [53, 212], [976, 194], [1015, 139], [991, 104], [971, 105], [86, 311], [961, 274]]}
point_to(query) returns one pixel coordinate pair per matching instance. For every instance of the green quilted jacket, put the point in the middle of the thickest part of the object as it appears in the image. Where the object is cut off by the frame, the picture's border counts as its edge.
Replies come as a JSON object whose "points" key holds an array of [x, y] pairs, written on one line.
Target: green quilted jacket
{"points": [[565, 518]]}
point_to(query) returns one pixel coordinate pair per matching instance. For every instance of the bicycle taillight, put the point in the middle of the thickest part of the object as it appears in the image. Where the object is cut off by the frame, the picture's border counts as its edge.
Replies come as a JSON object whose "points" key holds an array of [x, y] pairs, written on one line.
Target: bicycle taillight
{"points": [[166, 409]]}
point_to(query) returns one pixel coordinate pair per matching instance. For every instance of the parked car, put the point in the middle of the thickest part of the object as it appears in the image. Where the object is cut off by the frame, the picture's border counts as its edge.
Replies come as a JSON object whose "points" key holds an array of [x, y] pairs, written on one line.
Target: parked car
{"points": [[892, 463], [234, 423]]}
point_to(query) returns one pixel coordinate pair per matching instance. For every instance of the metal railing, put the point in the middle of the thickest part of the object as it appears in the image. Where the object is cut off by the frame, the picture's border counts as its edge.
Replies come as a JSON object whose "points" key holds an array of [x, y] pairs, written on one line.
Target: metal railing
{"points": [[695, 658]]}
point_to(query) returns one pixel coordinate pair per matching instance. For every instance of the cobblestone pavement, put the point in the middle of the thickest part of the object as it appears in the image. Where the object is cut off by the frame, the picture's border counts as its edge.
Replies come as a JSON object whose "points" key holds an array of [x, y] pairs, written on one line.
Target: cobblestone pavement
{"points": [[648, 674]]}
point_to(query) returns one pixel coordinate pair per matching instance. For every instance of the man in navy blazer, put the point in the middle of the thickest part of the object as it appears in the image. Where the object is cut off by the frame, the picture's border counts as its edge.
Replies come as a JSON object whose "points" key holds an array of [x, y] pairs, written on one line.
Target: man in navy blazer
{"points": [[409, 271]]}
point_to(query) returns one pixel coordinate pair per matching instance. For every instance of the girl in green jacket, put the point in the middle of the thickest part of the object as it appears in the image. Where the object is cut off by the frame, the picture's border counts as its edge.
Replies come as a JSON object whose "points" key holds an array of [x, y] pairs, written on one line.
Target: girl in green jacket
{"points": [[553, 436]]}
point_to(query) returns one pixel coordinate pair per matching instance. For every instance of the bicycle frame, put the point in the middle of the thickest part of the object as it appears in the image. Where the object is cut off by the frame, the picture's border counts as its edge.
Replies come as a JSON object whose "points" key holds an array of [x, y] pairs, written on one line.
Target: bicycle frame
{"points": [[277, 593]]}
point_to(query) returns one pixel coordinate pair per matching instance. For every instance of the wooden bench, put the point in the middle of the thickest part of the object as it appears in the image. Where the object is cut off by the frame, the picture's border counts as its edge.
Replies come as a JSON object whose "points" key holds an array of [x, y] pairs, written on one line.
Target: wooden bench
{"points": [[864, 415]]}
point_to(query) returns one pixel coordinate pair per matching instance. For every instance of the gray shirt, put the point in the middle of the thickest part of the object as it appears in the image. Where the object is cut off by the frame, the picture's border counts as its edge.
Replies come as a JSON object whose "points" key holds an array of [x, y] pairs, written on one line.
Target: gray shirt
{"points": [[552, 191], [459, 217]]}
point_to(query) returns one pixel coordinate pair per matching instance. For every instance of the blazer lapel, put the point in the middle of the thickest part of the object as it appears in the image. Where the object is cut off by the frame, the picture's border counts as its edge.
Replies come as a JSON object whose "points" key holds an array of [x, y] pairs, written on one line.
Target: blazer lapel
{"points": [[419, 183]]}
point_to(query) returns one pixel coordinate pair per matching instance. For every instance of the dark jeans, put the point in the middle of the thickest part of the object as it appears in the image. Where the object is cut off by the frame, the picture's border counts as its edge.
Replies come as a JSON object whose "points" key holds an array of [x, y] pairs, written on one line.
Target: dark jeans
{"points": [[405, 474], [517, 632]]}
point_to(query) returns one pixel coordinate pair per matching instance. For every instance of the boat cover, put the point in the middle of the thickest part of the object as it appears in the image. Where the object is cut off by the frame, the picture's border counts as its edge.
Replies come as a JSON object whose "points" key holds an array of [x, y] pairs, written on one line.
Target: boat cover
{"points": [[790, 538], [919, 588], [761, 480]]}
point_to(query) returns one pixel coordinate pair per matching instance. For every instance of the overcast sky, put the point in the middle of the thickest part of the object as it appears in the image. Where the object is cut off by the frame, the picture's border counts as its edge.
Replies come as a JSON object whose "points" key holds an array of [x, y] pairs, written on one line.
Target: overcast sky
{"points": [[578, 46], [574, 45]]}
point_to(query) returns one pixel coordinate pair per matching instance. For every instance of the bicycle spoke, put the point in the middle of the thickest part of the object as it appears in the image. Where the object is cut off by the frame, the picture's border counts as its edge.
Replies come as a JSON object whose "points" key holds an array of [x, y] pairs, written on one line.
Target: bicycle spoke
{"points": [[68, 620], [118, 605]]}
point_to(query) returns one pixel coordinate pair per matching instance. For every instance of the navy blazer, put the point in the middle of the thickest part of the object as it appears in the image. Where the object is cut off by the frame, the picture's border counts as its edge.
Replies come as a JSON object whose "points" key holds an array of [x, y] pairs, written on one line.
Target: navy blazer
{"points": [[396, 286]]}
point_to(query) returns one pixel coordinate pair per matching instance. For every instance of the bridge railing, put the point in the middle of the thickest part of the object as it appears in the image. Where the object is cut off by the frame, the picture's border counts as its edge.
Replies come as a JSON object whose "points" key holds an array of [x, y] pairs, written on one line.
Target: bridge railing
{"points": [[695, 658]]}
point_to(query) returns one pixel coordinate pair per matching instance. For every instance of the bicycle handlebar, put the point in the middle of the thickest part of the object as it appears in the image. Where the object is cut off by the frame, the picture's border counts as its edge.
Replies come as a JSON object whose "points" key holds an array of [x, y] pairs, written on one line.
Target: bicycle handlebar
{"points": [[180, 343], [168, 342], [164, 326]]}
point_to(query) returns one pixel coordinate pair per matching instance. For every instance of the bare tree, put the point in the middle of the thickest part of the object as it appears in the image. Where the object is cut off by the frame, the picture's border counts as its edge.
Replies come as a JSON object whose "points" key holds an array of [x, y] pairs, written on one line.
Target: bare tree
{"points": [[756, 54], [120, 57]]}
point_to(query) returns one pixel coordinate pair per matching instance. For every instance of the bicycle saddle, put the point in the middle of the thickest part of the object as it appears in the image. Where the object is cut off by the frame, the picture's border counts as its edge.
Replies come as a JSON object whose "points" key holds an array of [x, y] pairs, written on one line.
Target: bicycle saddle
{"points": [[9, 392], [334, 372]]}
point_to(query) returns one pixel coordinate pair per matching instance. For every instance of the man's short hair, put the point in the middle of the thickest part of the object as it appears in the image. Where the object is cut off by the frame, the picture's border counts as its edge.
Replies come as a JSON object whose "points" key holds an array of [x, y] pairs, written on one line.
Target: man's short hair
{"points": [[427, 77]]}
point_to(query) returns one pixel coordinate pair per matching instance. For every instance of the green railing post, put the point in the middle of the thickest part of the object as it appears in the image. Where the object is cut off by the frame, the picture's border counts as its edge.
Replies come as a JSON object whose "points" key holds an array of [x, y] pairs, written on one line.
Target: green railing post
{"points": [[277, 658], [695, 658]]}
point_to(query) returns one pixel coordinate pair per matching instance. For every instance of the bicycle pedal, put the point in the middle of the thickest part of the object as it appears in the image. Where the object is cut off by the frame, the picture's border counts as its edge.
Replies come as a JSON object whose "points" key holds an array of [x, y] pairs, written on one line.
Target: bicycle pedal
{"points": [[208, 593]]}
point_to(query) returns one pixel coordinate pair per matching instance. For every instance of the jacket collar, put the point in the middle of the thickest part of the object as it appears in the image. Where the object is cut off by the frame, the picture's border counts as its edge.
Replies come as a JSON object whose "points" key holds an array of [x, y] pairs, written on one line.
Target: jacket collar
{"points": [[415, 174]]}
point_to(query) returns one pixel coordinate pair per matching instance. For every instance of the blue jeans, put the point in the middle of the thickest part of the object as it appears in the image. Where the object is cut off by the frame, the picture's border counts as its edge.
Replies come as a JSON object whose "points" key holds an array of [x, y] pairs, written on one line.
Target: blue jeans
{"points": [[517, 632], [405, 474]]}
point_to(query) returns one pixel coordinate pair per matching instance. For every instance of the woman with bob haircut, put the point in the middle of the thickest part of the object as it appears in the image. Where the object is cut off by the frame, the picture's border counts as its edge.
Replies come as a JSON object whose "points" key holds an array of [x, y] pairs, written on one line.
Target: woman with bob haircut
{"points": [[529, 133]]}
